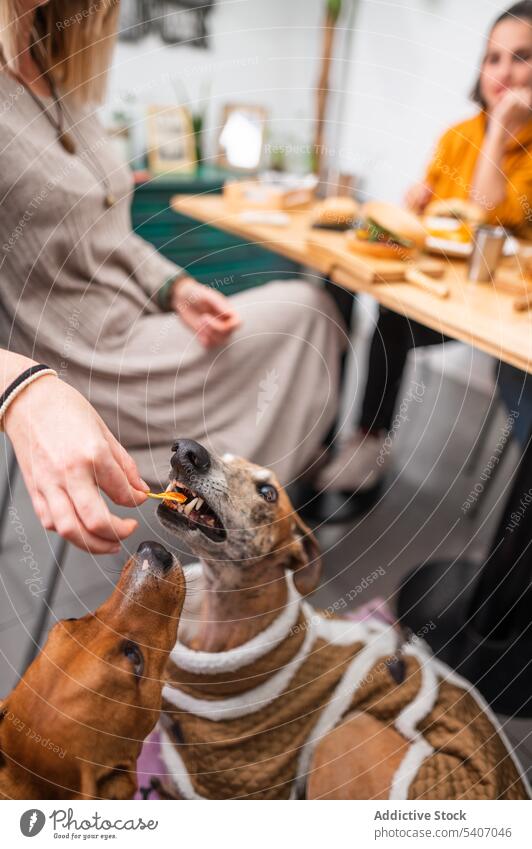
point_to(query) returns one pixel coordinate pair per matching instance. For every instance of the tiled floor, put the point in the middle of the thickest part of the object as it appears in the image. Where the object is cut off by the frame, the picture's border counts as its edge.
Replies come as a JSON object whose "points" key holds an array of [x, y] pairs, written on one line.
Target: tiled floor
{"points": [[419, 516]]}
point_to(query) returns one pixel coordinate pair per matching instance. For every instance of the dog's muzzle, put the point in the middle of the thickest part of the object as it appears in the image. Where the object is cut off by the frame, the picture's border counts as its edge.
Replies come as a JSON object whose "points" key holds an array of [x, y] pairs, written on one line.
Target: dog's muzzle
{"points": [[190, 458], [156, 555], [191, 465]]}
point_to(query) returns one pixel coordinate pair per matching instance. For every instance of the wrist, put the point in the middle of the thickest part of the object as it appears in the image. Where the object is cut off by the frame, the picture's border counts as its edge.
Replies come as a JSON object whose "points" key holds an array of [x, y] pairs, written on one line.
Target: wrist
{"points": [[495, 138], [18, 402], [168, 291], [179, 291]]}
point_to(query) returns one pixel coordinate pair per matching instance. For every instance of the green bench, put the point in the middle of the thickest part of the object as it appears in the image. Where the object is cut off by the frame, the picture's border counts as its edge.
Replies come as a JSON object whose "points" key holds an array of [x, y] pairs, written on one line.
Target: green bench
{"points": [[208, 254]]}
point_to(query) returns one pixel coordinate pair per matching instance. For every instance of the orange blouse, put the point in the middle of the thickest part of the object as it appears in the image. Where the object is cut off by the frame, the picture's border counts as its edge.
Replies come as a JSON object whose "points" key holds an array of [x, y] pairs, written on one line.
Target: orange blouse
{"points": [[451, 172]]}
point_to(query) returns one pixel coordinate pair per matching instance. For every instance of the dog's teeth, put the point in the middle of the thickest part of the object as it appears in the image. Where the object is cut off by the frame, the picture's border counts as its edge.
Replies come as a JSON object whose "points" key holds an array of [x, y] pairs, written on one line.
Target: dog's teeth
{"points": [[169, 487], [199, 503], [189, 506]]}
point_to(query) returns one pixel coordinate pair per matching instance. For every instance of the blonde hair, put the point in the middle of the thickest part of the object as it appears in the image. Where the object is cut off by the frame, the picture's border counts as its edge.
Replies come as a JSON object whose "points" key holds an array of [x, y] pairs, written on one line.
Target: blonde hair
{"points": [[73, 40]]}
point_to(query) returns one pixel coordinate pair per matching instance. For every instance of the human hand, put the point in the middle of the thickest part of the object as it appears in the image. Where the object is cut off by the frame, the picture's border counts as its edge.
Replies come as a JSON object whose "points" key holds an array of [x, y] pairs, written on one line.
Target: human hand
{"points": [[207, 312], [66, 454], [417, 197], [511, 112]]}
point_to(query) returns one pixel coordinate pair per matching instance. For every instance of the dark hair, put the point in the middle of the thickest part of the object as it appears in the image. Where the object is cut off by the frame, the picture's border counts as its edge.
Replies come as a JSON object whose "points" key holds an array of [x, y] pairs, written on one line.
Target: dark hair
{"points": [[519, 11]]}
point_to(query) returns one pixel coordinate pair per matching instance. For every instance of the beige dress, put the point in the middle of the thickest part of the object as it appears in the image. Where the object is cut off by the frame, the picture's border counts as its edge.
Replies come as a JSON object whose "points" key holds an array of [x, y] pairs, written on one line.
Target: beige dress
{"points": [[78, 291]]}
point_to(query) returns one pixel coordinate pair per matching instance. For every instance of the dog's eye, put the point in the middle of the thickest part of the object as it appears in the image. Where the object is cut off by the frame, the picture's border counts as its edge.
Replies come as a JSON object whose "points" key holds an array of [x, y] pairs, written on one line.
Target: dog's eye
{"points": [[268, 492], [134, 655]]}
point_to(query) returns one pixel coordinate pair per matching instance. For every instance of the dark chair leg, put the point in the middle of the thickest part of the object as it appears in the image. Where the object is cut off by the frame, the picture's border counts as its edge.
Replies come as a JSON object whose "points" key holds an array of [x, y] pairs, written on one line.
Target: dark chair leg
{"points": [[488, 483], [60, 552], [345, 301], [7, 492]]}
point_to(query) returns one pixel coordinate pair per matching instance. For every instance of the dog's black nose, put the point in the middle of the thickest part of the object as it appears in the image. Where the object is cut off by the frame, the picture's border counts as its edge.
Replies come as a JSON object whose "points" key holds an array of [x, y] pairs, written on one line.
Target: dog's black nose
{"points": [[190, 456], [156, 554]]}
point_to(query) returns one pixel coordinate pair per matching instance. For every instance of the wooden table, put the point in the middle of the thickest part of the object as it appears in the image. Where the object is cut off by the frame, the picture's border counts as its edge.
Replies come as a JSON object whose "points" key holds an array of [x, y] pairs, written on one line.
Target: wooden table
{"points": [[474, 313]]}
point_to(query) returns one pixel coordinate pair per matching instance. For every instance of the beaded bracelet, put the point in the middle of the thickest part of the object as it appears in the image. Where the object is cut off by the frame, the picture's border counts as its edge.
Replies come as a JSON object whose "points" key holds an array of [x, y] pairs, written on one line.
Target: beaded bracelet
{"points": [[19, 384]]}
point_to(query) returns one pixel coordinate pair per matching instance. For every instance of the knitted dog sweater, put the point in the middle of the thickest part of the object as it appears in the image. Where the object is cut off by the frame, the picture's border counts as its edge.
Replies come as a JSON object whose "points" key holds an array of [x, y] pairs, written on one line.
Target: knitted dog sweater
{"points": [[244, 723]]}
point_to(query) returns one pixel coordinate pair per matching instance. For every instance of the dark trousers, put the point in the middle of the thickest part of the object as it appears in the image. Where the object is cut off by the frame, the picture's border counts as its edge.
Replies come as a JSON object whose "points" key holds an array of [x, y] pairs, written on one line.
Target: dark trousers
{"points": [[393, 338]]}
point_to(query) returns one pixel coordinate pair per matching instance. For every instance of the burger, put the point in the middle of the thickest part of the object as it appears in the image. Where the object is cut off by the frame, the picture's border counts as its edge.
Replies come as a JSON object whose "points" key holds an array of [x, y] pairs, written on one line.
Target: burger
{"points": [[336, 213], [457, 209], [387, 231], [454, 218]]}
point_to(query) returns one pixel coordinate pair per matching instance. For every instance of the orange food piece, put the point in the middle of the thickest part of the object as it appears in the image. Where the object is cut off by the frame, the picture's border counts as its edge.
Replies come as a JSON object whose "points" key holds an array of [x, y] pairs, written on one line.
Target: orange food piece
{"points": [[168, 496]]}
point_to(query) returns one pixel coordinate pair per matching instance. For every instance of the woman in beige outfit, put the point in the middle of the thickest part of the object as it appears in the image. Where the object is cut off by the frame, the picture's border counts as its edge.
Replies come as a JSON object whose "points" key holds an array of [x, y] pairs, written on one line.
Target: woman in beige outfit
{"points": [[82, 293]]}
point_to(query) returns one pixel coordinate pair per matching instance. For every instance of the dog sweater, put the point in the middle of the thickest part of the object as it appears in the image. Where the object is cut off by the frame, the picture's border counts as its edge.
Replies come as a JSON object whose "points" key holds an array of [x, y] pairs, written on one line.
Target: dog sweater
{"points": [[244, 723]]}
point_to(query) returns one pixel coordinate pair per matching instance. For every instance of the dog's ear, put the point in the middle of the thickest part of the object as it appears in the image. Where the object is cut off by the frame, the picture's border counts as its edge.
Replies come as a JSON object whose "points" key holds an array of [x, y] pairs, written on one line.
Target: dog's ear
{"points": [[119, 783], [305, 558]]}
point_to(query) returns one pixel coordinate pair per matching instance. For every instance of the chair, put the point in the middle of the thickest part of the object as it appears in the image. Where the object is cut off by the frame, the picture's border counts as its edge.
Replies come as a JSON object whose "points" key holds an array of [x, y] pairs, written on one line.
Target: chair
{"points": [[60, 549]]}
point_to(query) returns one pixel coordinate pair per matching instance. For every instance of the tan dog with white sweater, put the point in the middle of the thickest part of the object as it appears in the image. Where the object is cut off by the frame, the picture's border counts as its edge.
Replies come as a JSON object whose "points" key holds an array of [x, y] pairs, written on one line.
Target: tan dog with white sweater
{"points": [[267, 698]]}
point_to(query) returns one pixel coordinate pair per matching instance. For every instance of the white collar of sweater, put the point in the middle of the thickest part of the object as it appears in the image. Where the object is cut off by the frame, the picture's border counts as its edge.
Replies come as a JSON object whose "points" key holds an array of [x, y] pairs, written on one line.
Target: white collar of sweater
{"points": [[215, 663]]}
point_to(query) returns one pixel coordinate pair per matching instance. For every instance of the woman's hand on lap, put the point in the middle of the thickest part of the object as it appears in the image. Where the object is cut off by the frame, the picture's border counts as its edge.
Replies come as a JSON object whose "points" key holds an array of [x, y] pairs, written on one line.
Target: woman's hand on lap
{"points": [[207, 312]]}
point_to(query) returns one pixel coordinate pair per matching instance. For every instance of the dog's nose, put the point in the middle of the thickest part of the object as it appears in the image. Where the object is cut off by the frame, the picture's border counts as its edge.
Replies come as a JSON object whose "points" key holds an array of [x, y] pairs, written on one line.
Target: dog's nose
{"points": [[190, 457], [157, 555]]}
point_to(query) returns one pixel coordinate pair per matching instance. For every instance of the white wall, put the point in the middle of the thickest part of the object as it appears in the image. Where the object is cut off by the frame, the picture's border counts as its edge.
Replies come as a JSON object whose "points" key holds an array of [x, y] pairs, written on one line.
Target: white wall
{"points": [[404, 73], [408, 67], [411, 66], [261, 51]]}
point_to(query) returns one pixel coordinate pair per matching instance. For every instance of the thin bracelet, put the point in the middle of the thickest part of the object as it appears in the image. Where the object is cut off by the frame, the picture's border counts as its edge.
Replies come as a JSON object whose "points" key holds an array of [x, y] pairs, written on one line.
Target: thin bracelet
{"points": [[19, 384], [165, 292]]}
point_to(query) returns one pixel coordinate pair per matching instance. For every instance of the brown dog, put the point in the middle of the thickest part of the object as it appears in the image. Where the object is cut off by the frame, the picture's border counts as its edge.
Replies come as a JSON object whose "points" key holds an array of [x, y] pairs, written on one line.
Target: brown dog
{"points": [[268, 698], [73, 726]]}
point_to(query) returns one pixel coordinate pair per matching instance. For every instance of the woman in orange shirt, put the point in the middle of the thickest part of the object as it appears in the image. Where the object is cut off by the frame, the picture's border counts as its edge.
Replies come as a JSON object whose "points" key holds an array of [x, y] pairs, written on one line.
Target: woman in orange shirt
{"points": [[486, 160]]}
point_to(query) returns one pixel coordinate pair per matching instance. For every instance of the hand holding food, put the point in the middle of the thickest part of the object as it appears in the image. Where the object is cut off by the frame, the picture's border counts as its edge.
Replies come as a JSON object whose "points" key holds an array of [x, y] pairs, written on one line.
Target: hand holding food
{"points": [[66, 454], [207, 312]]}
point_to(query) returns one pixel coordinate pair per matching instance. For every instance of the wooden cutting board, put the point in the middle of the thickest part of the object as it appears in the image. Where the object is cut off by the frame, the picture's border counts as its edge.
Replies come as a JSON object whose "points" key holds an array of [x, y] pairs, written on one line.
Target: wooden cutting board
{"points": [[512, 280], [331, 249]]}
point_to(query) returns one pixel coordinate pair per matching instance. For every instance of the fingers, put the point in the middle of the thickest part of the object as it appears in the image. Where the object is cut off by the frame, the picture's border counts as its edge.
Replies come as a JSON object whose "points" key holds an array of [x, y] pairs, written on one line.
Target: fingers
{"points": [[67, 523], [41, 508], [417, 197], [138, 487], [92, 511], [109, 474], [220, 305], [215, 330], [217, 299]]}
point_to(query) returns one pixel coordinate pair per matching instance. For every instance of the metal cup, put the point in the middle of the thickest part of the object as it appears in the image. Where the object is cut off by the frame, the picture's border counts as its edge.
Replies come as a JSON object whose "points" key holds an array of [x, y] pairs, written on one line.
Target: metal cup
{"points": [[487, 251]]}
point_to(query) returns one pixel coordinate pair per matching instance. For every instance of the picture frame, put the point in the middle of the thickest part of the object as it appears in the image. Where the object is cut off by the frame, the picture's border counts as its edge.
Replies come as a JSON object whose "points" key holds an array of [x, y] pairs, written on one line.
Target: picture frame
{"points": [[241, 137], [173, 21], [171, 140]]}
